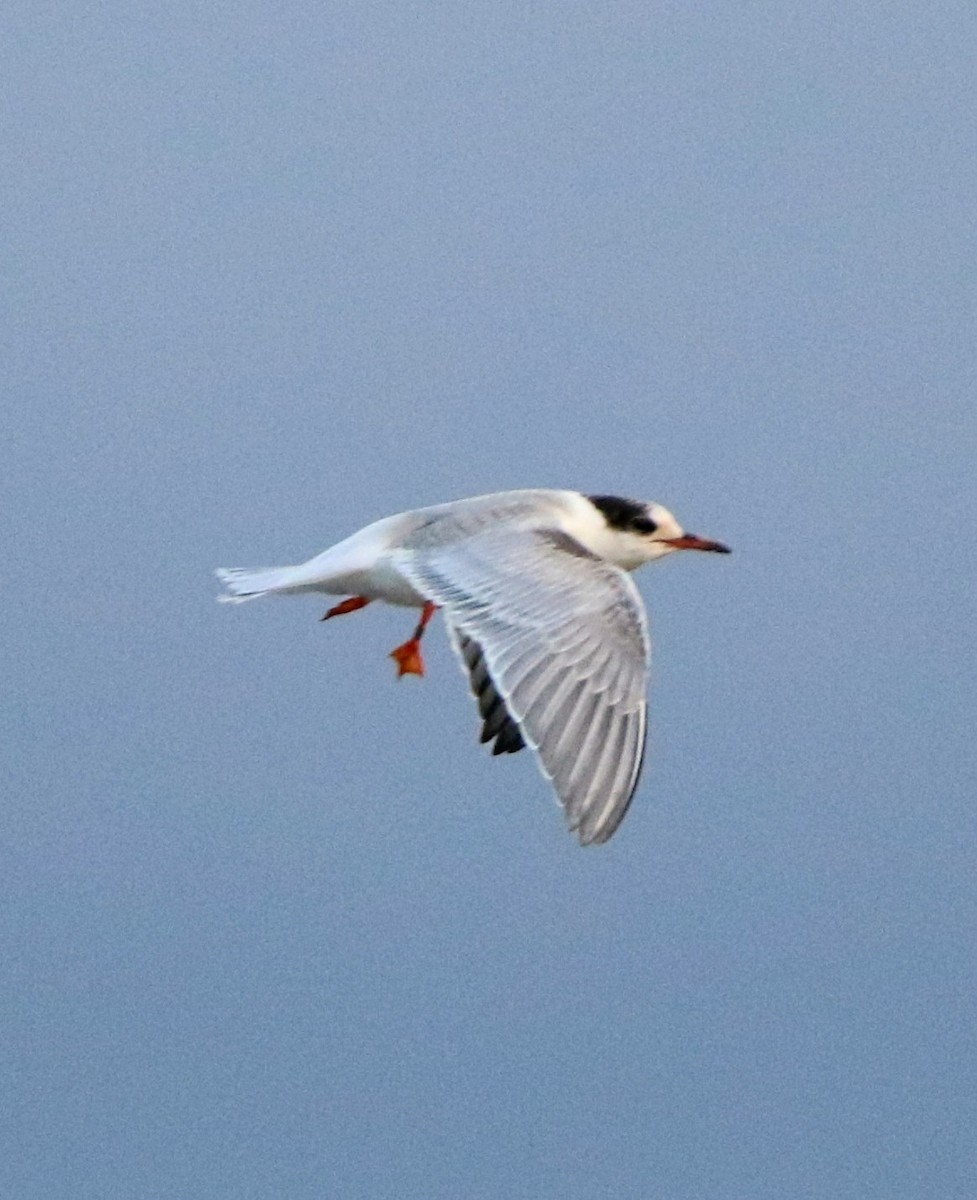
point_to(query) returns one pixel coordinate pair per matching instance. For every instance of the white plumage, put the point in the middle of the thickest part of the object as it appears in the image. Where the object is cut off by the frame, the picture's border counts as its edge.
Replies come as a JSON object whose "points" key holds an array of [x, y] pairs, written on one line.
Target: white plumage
{"points": [[541, 612]]}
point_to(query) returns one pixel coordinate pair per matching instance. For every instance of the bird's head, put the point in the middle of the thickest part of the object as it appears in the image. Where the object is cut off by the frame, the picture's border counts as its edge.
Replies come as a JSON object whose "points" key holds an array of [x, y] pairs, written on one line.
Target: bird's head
{"points": [[640, 532]]}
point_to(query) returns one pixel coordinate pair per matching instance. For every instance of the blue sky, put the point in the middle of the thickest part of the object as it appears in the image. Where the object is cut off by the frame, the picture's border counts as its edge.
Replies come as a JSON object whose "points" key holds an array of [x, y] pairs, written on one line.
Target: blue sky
{"points": [[272, 924]]}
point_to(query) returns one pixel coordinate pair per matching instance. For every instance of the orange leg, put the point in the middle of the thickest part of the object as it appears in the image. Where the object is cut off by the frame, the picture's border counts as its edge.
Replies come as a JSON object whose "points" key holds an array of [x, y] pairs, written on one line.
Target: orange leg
{"points": [[353, 604], [408, 656]]}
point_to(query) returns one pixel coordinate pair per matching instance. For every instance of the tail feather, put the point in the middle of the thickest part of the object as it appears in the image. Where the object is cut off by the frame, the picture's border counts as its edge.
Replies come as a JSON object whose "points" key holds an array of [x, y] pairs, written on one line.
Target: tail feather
{"points": [[247, 583]]}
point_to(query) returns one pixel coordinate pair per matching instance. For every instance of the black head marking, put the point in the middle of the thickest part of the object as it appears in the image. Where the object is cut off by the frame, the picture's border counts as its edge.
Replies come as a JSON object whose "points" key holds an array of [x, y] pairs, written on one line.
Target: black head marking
{"points": [[623, 514]]}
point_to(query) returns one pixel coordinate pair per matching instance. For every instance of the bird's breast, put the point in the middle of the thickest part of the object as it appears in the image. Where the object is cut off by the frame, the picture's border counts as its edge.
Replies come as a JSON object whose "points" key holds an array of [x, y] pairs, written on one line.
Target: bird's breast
{"points": [[388, 583]]}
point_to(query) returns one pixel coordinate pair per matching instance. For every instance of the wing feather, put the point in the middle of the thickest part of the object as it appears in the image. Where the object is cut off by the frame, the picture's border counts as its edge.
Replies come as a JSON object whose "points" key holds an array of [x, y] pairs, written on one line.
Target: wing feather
{"points": [[498, 724], [555, 644]]}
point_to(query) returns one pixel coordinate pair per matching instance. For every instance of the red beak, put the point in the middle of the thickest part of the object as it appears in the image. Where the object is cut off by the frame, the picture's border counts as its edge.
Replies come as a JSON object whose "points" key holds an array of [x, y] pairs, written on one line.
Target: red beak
{"points": [[689, 541]]}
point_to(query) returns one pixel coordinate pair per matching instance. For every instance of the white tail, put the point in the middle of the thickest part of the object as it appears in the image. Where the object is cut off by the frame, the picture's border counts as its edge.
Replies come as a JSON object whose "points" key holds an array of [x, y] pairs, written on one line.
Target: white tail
{"points": [[247, 583]]}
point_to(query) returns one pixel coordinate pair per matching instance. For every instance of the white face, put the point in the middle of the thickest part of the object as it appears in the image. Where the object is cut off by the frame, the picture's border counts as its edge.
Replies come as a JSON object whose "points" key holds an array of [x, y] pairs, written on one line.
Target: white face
{"points": [[651, 545], [630, 533], [630, 540]]}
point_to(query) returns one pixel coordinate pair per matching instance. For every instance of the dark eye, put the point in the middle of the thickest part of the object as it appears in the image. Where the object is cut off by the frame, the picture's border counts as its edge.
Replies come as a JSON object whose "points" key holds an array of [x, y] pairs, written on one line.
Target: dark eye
{"points": [[643, 525]]}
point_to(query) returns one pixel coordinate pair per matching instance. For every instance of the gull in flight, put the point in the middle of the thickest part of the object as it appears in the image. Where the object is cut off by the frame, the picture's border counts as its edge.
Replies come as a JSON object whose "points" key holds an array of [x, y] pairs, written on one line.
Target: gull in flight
{"points": [[541, 611]]}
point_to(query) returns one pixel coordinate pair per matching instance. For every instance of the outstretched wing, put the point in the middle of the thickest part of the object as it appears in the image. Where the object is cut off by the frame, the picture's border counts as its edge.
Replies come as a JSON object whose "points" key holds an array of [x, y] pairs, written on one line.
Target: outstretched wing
{"points": [[556, 645], [498, 725]]}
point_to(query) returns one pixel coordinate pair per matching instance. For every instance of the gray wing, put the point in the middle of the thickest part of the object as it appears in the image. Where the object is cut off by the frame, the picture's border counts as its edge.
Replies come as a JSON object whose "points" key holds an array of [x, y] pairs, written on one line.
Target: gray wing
{"points": [[498, 724], [556, 646]]}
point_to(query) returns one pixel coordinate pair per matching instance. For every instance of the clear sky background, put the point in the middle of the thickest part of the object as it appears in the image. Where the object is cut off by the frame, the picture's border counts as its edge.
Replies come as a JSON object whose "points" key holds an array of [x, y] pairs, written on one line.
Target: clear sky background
{"points": [[271, 923]]}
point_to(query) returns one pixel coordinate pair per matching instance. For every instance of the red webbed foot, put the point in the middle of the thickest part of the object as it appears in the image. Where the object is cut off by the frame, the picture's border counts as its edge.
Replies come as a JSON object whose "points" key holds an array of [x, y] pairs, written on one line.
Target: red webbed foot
{"points": [[408, 656], [353, 604]]}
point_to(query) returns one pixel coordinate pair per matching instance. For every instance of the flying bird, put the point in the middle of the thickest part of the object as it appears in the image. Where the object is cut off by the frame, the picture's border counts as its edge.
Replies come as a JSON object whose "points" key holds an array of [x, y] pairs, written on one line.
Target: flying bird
{"points": [[541, 611]]}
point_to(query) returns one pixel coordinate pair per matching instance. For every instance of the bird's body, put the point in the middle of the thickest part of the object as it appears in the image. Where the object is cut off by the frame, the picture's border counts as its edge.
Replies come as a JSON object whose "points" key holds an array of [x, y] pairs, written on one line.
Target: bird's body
{"points": [[366, 564], [540, 610]]}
